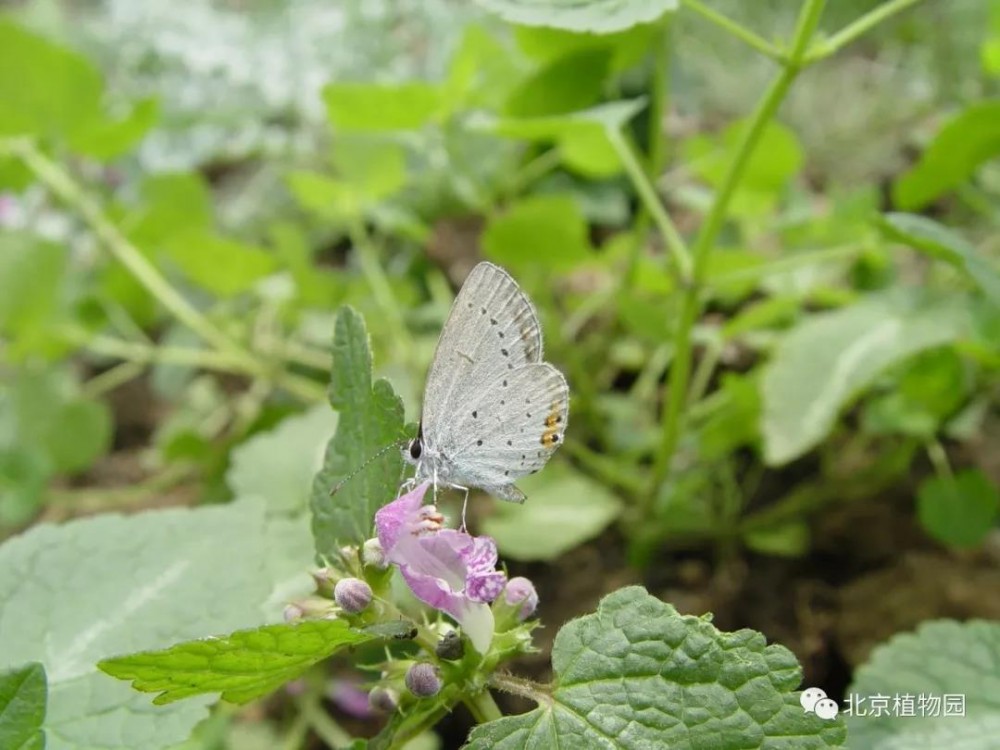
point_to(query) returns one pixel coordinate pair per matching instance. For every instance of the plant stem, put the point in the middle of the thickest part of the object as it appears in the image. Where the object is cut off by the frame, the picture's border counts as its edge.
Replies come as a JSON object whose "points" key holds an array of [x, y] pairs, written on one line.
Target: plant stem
{"points": [[322, 724], [482, 706], [680, 373], [111, 378], [69, 191], [939, 459], [651, 202], [855, 29], [736, 29]]}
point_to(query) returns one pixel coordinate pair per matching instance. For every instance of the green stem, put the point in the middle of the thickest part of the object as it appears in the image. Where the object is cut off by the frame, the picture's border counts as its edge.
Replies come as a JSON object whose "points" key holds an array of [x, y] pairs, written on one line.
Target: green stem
{"points": [[736, 29], [656, 157], [332, 734], [680, 373], [651, 202], [855, 29], [534, 170], [482, 707], [939, 459], [135, 352], [69, 191], [111, 378], [661, 95]]}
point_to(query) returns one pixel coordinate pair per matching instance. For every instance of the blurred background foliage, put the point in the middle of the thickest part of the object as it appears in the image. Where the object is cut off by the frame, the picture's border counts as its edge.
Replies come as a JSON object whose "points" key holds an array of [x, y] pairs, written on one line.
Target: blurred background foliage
{"points": [[188, 191]]}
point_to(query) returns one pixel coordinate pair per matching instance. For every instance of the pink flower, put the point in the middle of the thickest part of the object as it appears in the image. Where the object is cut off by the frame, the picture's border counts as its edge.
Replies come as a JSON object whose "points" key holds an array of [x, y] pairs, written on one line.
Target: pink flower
{"points": [[450, 570]]}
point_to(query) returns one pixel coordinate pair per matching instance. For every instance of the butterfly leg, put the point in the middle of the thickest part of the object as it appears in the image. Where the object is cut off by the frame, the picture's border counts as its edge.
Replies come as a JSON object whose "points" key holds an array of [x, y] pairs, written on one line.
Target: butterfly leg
{"points": [[465, 502]]}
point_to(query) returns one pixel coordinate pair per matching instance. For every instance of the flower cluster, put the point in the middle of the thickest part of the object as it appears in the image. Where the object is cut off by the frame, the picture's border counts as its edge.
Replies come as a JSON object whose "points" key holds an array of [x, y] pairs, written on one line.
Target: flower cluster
{"points": [[449, 570]]}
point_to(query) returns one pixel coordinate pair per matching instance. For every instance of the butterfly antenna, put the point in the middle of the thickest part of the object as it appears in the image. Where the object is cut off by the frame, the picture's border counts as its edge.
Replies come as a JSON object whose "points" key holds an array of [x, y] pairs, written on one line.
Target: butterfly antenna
{"points": [[395, 444]]}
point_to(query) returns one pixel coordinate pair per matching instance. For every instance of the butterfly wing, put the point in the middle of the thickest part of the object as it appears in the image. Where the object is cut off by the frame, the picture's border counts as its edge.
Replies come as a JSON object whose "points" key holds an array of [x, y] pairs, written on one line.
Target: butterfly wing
{"points": [[492, 329], [511, 430]]}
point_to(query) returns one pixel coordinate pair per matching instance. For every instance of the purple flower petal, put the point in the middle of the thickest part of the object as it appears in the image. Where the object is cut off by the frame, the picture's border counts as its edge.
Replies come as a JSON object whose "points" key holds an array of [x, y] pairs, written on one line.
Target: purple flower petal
{"points": [[450, 570]]}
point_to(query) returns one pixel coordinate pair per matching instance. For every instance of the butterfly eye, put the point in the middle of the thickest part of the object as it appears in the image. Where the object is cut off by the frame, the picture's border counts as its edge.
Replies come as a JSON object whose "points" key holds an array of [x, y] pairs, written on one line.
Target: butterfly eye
{"points": [[415, 449]]}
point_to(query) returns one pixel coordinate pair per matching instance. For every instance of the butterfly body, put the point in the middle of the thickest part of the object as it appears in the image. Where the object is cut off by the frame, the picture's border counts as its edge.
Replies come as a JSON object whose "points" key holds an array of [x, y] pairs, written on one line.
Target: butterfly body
{"points": [[493, 410]]}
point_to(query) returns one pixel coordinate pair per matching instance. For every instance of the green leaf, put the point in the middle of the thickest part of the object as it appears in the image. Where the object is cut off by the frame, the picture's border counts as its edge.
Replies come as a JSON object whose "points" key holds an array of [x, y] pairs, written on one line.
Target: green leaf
{"points": [[481, 72], [822, 363], [969, 139], [932, 387], [597, 16], [45, 90], [790, 539], [735, 422], [941, 657], [582, 137], [108, 139], [540, 230], [107, 584], [22, 708], [636, 674], [939, 242], [374, 108], [566, 85], [958, 510], [241, 666], [278, 466], [40, 411], [218, 264], [565, 509], [24, 474], [34, 276], [374, 168], [370, 420], [324, 196], [627, 48], [78, 435], [171, 204]]}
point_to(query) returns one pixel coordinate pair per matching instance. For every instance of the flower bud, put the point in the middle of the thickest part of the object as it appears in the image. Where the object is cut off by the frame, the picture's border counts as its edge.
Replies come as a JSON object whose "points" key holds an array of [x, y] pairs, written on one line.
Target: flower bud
{"points": [[324, 582], [422, 680], [383, 699], [353, 595], [450, 647], [373, 555], [312, 607], [522, 591]]}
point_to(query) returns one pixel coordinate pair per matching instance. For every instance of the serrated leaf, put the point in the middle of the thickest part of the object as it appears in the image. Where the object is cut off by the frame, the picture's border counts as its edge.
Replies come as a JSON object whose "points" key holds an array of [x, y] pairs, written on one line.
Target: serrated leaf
{"points": [[958, 510], [370, 420], [941, 657], [218, 264], [102, 585], [942, 243], [23, 693], [241, 666], [278, 465], [566, 509], [374, 107], [822, 363], [636, 674], [966, 141], [597, 16], [547, 230]]}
